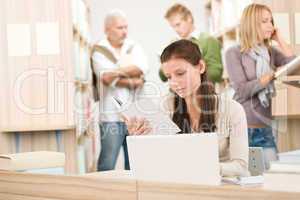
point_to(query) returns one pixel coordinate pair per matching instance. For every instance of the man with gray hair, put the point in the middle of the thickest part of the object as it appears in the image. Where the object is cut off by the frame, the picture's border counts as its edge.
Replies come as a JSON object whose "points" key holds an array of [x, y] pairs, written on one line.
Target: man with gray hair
{"points": [[119, 65]]}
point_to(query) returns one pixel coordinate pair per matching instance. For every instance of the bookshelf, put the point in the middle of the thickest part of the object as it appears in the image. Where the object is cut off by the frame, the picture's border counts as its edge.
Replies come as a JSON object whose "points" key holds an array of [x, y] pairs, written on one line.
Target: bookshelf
{"points": [[223, 23], [44, 57], [84, 102]]}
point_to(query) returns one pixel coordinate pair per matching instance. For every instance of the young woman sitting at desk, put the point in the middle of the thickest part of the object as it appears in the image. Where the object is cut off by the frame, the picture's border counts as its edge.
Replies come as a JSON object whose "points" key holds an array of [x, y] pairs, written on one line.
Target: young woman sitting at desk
{"points": [[195, 108]]}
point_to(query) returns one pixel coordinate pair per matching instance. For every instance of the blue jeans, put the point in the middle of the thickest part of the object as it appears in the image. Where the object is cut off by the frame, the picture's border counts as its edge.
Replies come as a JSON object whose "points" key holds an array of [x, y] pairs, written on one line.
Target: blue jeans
{"points": [[263, 137], [113, 136]]}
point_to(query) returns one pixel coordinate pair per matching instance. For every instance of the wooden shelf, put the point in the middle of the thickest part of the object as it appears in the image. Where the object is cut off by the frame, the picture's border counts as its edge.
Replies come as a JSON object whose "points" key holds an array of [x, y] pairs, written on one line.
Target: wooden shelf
{"points": [[284, 104], [78, 36], [291, 80], [36, 128], [226, 30], [207, 4], [82, 85], [288, 117]]}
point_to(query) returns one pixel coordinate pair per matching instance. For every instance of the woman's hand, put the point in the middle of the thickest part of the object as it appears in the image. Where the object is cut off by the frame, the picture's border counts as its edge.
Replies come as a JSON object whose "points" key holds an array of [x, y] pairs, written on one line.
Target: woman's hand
{"points": [[266, 79], [137, 125], [276, 36], [285, 48], [279, 68]]}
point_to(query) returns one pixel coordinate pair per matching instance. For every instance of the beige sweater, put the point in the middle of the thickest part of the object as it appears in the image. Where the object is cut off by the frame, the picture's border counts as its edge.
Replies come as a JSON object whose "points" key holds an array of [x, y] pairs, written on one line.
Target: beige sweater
{"points": [[232, 134]]}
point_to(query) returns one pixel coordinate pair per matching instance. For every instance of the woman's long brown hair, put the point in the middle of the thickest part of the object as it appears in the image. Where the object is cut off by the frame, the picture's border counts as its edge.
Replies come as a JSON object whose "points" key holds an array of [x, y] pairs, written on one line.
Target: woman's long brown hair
{"points": [[206, 96]]}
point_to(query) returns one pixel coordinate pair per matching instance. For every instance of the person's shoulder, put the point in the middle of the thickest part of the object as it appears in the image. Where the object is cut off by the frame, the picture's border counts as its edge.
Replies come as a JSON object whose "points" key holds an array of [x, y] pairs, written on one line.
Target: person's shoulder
{"points": [[235, 105], [229, 106], [103, 42], [99, 44], [131, 42], [207, 37], [100, 49], [204, 35], [236, 49], [274, 50]]}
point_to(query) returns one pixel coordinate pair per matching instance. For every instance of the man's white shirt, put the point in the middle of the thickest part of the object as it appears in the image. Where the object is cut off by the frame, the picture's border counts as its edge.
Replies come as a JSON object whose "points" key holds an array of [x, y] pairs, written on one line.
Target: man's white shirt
{"points": [[107, 110]]}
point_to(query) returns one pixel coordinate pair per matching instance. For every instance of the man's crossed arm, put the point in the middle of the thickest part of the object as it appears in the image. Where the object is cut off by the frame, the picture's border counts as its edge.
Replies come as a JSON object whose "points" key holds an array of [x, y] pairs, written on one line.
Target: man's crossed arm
{"points": [[130, 77]]}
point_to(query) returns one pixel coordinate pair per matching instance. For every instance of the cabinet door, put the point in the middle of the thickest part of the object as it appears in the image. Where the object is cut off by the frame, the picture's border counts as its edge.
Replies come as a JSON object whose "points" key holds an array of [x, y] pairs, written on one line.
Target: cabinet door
{"points": [[36, 73], [286, 101]]}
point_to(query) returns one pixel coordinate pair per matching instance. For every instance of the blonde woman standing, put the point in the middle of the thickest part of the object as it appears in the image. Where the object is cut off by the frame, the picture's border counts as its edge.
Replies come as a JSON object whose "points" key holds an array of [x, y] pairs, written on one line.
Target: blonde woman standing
{"points": [[251, 67]]}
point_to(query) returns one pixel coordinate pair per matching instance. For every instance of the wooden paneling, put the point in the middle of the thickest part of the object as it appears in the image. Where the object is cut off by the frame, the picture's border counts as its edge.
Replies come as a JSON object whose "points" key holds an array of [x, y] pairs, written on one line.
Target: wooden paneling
{"points": [[45, 83], [38, 76], [286, 101], [70, 146]]}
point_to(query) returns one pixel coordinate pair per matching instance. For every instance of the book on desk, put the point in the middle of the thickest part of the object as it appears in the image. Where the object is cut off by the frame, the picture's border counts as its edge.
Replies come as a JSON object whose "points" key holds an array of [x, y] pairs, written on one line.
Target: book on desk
{"points": [[284, 174], [47, 162]]}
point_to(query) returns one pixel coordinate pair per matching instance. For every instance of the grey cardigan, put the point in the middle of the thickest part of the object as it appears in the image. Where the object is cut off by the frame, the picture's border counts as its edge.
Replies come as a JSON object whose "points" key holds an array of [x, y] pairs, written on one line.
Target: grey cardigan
{"points": [[242, 75]]}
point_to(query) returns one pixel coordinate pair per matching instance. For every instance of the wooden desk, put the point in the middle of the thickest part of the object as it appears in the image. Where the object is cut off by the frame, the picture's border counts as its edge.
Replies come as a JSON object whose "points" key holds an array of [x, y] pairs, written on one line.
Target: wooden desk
{"points": [[159, 191], [24, 186], [120, 185]]}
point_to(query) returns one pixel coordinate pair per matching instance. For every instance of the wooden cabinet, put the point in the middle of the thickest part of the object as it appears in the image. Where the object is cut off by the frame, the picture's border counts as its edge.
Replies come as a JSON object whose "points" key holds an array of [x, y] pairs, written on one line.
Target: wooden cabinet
{"points": [[37, 74], [286, 102], [36, 70]]}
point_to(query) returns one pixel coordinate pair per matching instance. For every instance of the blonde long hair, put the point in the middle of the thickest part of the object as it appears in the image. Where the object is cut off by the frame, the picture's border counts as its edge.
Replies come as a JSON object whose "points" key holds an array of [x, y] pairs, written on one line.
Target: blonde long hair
{"points": [[250, 30]]}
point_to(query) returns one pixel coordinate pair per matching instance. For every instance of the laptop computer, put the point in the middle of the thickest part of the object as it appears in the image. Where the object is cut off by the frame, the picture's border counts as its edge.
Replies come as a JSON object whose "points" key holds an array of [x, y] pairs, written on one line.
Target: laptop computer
{"points": [[182, 158]]}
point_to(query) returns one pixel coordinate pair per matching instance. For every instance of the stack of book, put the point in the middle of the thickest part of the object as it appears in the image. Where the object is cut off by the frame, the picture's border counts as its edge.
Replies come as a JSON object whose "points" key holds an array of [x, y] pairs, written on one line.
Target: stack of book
{"points": [[47, 162], [284, 174]]}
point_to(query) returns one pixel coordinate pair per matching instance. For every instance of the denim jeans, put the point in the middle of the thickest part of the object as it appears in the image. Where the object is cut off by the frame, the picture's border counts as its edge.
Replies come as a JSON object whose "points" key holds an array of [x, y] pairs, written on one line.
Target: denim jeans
{"points": [[113, 136], [263, 137]]}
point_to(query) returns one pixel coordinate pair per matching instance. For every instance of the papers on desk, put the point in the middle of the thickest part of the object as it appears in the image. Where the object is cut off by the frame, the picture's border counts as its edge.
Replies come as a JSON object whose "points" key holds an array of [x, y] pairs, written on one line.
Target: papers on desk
{"points": [[290, 156], [281, 181], [244, 181], [284, 167], [284, 174], [288, 68], [159, 121], [289, 162]]}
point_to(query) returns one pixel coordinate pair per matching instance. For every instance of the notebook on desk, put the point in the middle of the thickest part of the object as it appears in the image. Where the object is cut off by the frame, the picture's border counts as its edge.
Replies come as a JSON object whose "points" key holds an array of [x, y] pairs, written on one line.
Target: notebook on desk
{"points": [[182, 158]]}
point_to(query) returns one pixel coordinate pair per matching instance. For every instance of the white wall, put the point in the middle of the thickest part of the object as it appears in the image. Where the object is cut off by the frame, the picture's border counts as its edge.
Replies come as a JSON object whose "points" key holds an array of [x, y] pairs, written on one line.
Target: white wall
{"points": [[146, 24]]}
